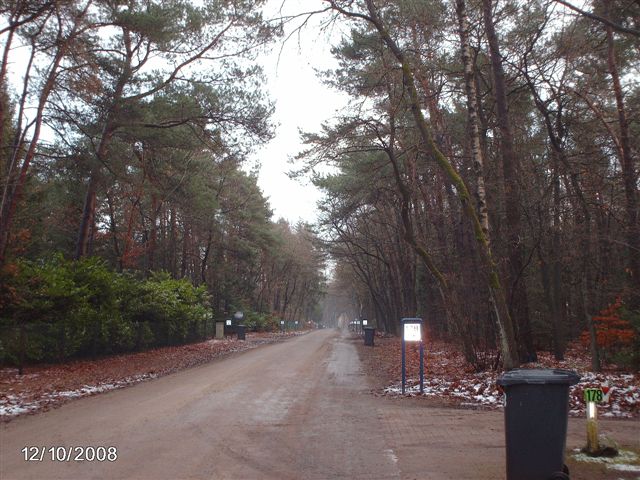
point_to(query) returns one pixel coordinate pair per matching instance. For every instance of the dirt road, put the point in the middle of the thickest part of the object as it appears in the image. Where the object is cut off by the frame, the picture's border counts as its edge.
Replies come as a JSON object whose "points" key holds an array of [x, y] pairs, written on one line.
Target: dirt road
{"points": [[294, 410]]}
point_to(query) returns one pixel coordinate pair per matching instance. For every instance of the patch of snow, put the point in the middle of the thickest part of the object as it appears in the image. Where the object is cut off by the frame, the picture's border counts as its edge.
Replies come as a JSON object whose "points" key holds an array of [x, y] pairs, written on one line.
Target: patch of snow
{"points": [[12, 405], [12, 409], [480, 389], [623, 461], [624, 468], [391, 455]]}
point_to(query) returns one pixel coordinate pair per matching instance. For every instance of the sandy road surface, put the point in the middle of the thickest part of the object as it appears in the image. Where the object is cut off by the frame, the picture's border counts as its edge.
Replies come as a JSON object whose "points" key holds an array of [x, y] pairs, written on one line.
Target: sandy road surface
{"points": [[294, 410], [291, 410]]}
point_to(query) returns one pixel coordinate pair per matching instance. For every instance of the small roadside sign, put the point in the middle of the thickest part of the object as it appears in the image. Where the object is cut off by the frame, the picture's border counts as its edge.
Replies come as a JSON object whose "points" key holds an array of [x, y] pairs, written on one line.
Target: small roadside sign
{"points": [[412, 332], [597, 395], [593, 395]]}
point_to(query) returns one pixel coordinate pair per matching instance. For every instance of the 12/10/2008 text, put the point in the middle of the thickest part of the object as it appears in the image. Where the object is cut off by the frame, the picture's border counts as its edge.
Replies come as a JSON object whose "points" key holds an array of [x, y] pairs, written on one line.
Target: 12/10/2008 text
{"points": [[70, 454]]}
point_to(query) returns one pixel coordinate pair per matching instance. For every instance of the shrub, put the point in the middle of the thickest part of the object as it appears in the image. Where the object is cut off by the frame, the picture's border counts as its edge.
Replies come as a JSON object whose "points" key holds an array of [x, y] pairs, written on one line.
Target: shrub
{"points": [[55, 309], [617, 334], [172, 311], [260, 322]]}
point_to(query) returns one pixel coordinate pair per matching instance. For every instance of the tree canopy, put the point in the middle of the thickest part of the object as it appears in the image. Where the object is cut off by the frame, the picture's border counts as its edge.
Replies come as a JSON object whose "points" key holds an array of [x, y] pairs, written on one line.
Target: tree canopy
{"points": [[128, 202], [485, 174]]}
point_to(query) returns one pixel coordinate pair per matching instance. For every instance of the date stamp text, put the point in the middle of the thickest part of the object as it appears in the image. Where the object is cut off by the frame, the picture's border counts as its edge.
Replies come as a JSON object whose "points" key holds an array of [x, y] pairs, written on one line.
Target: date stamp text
{"points": [[70, 454]]}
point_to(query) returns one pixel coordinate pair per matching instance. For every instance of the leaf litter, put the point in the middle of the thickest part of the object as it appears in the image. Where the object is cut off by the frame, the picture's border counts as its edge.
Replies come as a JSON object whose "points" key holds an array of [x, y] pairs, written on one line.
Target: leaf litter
{"points": [[43, 387], [449, 377]]}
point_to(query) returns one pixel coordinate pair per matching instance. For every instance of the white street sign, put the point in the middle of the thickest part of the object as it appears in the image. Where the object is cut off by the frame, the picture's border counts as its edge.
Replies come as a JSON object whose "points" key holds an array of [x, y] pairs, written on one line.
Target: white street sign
{"points": [[412, 332]]}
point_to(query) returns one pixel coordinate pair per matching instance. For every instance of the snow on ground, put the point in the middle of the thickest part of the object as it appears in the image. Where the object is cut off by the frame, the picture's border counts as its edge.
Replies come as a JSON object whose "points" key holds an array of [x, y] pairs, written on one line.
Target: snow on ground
{"points": [[46, 386], [448, 376], [624, 394], [625, 461], [481, 390], [12, 405]]}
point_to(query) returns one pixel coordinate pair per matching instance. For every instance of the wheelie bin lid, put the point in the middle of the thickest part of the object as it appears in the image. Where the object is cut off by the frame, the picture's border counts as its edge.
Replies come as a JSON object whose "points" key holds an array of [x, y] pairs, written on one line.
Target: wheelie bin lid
{"points": [[538, 376]]}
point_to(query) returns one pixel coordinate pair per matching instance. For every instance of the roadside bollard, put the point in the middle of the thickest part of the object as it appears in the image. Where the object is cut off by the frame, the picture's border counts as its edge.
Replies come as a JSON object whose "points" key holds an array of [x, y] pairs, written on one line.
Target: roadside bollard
{"points": [[369, 335], [219, 329], [240, 329]]}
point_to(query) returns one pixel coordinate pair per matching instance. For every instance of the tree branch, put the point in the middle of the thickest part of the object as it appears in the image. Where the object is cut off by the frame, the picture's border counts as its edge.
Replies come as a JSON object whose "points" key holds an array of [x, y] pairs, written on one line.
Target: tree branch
{"points": [[598, 18]]}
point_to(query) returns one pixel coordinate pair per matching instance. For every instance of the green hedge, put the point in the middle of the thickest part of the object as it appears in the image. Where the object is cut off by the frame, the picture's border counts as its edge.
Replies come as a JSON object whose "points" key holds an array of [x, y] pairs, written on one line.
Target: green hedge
{"points": [[54, 309]]}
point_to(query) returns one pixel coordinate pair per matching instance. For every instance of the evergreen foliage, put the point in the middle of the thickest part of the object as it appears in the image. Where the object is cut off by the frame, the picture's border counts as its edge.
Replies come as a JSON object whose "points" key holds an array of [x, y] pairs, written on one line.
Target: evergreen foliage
{"points": [[56, 309]]}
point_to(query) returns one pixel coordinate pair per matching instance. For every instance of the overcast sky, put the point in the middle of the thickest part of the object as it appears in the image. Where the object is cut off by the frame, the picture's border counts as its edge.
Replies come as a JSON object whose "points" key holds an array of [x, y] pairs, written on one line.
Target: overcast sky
{"points": [[302, 102]]}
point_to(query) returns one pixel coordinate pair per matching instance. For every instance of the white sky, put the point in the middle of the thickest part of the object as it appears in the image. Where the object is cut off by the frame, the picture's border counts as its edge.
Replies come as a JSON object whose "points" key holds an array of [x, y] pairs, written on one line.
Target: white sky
{"points": [[302, 102]]}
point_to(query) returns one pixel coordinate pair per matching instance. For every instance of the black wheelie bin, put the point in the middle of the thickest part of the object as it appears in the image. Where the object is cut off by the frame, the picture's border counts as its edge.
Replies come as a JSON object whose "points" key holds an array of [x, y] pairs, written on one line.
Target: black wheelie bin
{"points": [[536, 415]]}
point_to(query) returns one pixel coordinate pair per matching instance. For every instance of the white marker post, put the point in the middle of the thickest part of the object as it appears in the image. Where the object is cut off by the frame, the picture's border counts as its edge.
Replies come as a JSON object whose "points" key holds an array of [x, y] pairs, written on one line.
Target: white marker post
{"points": [[591, 396]]}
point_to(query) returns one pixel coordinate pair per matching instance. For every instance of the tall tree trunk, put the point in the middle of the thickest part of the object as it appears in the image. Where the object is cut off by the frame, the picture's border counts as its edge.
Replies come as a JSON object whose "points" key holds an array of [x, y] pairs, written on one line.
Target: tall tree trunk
{"points": [[551, 271], [583, 224], [448, 294], [203, 269], [4, 106], [595, 351], [108, 129], [16, 148], [153, 234], [13, 197], [629, 174], [88, 218], [472, 115], [114, 232], [63, 41], [185, 250], [173, 243], [477, 153], [518, 300], [507, 338], [558, 305]]}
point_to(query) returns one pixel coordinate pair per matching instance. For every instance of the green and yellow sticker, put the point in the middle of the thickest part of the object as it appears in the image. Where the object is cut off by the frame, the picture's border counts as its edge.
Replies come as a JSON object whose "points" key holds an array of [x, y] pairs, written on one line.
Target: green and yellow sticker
{"points": [[593, 395]]}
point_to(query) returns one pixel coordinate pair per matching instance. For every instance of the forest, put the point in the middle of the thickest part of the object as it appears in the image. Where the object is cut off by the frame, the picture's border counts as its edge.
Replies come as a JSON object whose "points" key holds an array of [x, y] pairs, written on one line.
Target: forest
{"points": [[484, 176], [130, 217]]}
